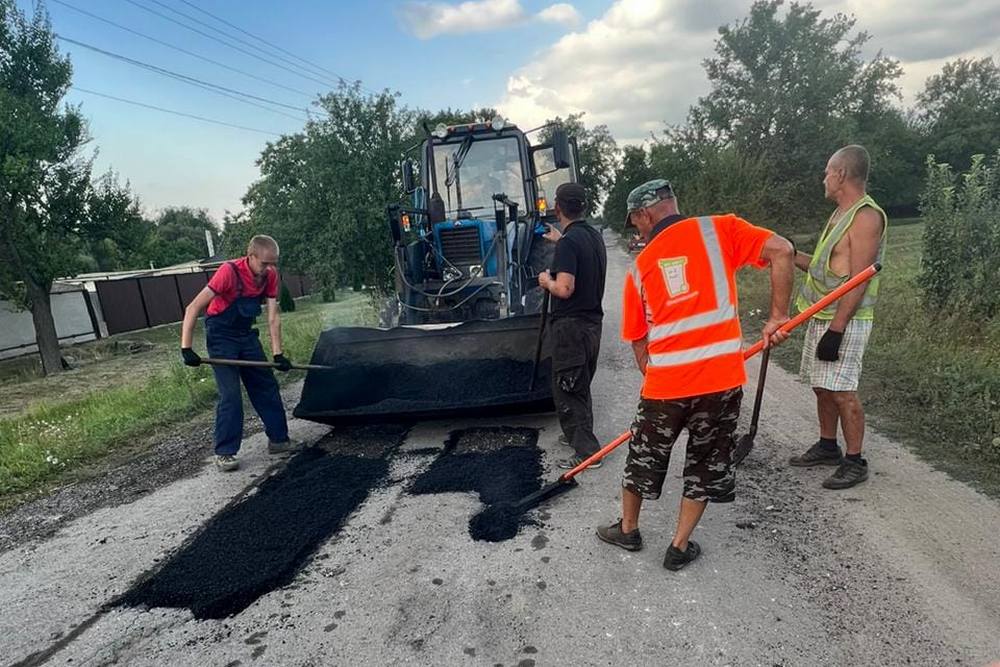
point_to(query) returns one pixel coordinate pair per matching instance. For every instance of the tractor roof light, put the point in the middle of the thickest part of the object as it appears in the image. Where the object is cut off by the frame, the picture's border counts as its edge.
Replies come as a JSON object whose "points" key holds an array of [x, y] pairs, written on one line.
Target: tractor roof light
{"points": [[441, 131], [498, 123]]}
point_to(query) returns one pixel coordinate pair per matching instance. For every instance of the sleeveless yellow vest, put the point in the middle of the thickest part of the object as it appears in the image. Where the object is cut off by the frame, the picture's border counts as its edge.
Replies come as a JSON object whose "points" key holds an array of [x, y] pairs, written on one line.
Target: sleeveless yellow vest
{"points": [[820, 280]]}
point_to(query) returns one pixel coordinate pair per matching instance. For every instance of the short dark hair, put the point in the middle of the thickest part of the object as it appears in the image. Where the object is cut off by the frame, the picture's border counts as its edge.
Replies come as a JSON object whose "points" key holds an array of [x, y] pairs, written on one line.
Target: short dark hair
{"points": [[572, 199], [855, 161]]}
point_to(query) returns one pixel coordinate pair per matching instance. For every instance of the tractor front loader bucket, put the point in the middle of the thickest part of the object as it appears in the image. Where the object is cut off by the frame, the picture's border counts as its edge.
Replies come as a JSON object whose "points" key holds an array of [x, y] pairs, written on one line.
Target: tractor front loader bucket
{"points": [[478, 367]]}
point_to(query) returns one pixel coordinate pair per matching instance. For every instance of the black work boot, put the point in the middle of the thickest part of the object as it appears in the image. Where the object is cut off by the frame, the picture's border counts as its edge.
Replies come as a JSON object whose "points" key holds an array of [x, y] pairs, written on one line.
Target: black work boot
{"points": [[850, 473], [817, 455], [675, 559], [613, 535]]}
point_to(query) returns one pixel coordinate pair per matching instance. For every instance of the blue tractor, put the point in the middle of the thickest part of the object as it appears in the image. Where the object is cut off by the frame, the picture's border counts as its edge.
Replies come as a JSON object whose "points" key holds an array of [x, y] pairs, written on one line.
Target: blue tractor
{"points": [[469, 247], [464, 335]]}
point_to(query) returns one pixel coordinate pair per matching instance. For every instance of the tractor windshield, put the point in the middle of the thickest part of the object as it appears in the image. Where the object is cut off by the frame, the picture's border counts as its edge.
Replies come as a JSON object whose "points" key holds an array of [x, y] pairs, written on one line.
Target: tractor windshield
{"points": [[490, 166]]}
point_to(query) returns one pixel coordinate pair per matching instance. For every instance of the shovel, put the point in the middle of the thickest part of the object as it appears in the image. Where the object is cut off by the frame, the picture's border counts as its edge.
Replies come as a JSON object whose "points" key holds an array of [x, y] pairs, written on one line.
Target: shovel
{"points": [[565, 482], [246, 363], [745, 443], [541, 337]]}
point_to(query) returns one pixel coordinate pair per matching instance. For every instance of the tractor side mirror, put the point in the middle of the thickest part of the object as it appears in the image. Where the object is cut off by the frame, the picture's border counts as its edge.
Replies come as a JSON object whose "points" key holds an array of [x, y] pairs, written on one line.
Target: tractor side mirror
{"points": [[409, 181], [560, 149]]}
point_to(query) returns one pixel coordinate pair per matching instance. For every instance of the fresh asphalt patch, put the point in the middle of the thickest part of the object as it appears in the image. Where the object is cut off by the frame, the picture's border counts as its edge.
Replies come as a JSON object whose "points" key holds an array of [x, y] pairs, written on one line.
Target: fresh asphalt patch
{"points": [[260, 543], [500, 464]]}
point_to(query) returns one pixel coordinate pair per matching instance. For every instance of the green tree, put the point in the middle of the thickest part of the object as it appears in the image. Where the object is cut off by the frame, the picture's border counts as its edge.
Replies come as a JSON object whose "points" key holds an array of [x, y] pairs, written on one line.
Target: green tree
{"points": [[598, 152], [633, 171], [118, 236], [179, 235], [44, 182], [323, 192], [790, 88], [961, 257], [959, 109]]}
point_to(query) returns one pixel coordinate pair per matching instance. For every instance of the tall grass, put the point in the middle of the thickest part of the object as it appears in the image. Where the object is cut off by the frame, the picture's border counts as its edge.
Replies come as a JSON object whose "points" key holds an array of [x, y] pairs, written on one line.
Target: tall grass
{"points": [[53, 438]]}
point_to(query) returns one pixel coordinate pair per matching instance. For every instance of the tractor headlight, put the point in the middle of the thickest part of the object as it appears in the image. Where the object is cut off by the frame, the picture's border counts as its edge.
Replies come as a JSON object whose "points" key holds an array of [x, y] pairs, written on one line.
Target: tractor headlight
{"points": [[441, 131], [498, 124]]}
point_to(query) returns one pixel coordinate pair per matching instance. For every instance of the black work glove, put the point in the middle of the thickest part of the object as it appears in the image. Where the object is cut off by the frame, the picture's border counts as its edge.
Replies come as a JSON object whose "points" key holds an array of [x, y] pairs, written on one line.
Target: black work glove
{"points": [[191, 357], [283, 363], [829, 345]]}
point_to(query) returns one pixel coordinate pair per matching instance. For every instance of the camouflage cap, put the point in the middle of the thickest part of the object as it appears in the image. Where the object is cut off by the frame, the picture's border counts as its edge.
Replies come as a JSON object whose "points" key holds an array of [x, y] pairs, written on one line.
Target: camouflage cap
{"points": [[648, 194]]}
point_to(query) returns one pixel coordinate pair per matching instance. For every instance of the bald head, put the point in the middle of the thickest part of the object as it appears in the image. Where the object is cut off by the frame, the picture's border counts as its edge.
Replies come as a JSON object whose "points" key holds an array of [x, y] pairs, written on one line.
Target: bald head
{"points": [[855, 162]]}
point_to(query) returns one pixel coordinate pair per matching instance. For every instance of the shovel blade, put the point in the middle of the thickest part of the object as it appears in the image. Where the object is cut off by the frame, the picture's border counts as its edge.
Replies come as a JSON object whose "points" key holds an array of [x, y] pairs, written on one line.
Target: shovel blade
{"points": [[556, 488], [742, 448]]}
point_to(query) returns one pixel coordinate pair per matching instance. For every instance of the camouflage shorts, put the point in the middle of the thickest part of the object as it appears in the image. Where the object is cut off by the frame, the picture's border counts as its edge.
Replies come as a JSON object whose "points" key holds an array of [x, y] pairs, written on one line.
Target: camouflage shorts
{"points": [[708, 471]]}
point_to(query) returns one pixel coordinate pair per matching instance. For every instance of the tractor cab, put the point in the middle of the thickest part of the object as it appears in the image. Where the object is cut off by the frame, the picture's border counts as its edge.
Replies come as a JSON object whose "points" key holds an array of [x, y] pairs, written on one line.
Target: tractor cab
{"points": [[469, 246]]}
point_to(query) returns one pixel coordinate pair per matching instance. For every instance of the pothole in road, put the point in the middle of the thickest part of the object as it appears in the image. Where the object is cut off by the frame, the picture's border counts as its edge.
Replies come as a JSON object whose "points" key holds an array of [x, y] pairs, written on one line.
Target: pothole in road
{"points": [[500, 464], [261, 543]]}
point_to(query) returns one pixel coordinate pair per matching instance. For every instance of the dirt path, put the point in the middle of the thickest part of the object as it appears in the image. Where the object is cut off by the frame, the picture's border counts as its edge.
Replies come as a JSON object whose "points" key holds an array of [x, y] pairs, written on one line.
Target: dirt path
{"points": [[900, 570]]}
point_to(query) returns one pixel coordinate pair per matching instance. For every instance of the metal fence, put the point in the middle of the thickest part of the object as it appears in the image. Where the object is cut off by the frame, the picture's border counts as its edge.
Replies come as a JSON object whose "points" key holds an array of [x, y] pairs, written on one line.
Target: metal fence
{"points": [[131, 304]]}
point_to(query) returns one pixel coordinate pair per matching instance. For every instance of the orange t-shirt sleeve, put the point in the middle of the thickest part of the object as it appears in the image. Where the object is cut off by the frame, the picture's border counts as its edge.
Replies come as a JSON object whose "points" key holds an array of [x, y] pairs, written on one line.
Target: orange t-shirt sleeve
{"points": [[223, 281], [634, 325], [744, 241]]}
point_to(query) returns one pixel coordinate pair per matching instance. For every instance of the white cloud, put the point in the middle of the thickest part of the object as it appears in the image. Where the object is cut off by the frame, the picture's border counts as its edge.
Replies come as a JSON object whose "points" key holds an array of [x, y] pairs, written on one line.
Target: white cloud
{"points": [[562, 13], [640, 64], [426, 20], [430, 19]]}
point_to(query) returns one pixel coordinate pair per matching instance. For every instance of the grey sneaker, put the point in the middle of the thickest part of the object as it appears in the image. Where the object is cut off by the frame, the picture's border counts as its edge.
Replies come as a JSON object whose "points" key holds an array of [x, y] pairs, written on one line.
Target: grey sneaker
{"points": [[226, 462], [574, 461], [675, 559], [849, 473], [613, 535], [563, 441], [816, 455], [280, 448]]}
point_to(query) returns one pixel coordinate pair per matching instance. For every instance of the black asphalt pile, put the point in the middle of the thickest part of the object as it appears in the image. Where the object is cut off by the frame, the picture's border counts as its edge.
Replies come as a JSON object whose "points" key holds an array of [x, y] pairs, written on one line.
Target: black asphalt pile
{"points": [[260, 544], [501, 465]]}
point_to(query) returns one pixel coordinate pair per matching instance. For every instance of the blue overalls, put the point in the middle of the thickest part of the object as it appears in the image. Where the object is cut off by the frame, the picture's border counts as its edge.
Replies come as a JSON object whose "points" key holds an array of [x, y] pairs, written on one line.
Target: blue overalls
{"points": [[230, 335]]}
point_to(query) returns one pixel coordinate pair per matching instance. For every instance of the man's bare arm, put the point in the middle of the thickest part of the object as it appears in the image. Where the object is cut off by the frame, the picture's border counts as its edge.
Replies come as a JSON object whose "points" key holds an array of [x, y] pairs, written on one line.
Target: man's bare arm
{"points": [[863, 239], [778, 252], [194, 309], [274, 325], [640, 348], [802, 260]]}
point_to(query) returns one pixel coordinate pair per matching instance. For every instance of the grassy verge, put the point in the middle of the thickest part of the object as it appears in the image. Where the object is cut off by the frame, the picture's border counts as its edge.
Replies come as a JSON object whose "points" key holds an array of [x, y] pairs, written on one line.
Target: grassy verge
{"points": [[932, 382], [54, 436]]}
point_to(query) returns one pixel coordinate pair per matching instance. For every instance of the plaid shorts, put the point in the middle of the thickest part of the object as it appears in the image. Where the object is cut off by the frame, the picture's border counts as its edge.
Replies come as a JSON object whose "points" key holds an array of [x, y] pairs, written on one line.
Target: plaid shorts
{"points": [[708, 471], [840, 375]]}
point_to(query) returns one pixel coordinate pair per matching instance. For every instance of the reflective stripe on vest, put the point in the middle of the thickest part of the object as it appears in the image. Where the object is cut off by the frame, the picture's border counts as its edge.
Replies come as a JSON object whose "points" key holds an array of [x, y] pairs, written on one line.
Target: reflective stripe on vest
{"points": [[694, 354], [724, 310]]}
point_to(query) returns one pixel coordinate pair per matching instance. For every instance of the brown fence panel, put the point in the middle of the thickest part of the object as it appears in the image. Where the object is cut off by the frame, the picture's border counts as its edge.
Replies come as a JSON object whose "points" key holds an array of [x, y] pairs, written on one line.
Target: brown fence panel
{"points": [[189, 284], [121, 303], [163, 305]]}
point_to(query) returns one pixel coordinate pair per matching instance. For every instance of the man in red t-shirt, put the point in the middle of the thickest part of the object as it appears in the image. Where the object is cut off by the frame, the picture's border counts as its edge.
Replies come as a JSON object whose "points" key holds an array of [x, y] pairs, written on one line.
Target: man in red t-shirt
{"points": [[232, 301]]}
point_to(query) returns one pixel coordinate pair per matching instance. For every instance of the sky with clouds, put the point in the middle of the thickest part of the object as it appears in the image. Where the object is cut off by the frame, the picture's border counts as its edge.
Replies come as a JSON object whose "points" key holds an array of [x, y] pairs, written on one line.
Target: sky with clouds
{"points": [[630, 64]]}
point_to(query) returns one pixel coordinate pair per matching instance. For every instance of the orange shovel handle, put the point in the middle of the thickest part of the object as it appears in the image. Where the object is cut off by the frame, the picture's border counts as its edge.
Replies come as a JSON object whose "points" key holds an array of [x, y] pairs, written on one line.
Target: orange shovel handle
{"points": [[856, 280]]}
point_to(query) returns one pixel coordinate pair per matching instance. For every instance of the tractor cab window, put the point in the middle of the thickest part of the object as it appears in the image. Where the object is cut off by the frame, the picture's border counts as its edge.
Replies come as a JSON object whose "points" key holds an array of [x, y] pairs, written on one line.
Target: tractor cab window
{"points": [[485, 167], [550, 178]]}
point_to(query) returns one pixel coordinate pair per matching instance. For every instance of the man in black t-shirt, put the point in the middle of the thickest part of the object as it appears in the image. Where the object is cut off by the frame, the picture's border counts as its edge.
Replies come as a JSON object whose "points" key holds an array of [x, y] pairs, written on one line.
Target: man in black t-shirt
{"points": [[576, 282]]}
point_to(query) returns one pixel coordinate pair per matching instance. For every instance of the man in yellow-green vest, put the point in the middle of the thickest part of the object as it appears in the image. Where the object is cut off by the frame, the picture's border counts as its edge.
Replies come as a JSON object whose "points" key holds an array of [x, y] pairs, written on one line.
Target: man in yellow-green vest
{"points": [[853, 239]]}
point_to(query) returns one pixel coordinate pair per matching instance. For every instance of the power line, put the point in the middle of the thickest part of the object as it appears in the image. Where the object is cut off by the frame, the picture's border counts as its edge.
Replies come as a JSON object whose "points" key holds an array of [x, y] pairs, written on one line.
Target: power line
{"points": [[176, 113], [190, 79], [177, 48], [311, 69], [225, 43], [261, 39]]}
